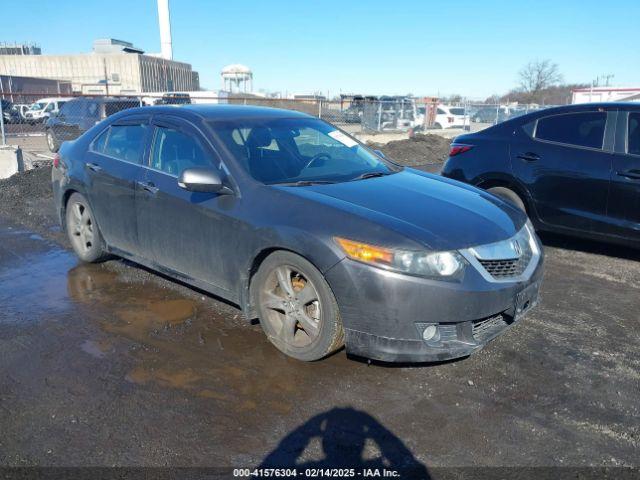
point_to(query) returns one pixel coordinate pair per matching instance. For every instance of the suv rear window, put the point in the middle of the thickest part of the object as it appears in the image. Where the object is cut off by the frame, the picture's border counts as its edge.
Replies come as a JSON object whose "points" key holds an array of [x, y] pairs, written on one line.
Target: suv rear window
{"points": [[582, 129]]}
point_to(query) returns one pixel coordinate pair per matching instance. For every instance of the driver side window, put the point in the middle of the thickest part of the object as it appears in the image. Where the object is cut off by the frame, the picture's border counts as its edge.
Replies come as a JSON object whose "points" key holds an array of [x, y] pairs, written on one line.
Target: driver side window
{"points": [[174, 151]]}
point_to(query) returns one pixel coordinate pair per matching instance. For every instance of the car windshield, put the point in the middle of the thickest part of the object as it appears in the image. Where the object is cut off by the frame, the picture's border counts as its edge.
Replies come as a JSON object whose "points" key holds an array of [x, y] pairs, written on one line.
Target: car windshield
{"points": [[38, 106], [457, 111], [298, 151]]}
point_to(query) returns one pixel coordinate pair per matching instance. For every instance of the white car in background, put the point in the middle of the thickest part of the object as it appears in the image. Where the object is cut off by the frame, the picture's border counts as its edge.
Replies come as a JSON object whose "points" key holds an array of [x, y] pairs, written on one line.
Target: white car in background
{"points": [[446, 117], [451, 117], [39, 111]]}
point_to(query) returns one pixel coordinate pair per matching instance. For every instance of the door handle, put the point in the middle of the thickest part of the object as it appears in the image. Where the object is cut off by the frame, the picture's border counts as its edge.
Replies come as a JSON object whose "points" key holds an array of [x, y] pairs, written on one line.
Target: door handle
{"points": [[529, 156], [149, 187], [630, 174], [94, 167]]}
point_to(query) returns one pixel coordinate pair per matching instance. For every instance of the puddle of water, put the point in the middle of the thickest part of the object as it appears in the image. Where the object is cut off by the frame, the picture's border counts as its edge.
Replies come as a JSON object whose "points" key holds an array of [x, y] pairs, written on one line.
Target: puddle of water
{"points": [[190, 344], [36, 285], [95, 349], [193, 344]]}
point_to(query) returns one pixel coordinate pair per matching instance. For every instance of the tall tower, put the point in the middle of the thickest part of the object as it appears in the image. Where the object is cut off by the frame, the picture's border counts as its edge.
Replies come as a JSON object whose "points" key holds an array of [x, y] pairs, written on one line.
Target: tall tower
{"points": [[165, 29]]}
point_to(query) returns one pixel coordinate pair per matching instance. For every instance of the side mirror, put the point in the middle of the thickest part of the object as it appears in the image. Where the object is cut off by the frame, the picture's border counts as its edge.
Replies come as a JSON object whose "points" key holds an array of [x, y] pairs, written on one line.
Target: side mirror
{"points": [[379, 153], [201, 179]]}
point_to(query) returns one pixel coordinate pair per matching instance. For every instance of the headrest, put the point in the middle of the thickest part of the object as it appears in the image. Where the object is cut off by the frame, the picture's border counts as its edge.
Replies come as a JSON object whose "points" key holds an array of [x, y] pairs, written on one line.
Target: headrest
{"points": [[259, 137]]}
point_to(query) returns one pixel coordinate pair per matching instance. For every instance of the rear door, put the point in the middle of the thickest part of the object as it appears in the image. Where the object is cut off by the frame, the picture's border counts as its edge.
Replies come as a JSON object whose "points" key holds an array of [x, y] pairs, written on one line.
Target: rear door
{"points": [[188, 232], [624, 200], [113, 166], [564, 160]]}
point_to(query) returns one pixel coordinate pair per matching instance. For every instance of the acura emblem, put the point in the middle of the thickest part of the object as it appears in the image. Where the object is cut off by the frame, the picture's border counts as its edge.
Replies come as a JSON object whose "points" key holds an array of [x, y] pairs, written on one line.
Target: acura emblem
{"points": [[515, 245]]}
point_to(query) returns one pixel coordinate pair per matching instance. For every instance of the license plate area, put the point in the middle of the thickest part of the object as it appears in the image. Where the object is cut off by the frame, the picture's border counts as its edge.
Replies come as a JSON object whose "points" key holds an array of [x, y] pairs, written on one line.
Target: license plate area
{"points": [[526, 299]]}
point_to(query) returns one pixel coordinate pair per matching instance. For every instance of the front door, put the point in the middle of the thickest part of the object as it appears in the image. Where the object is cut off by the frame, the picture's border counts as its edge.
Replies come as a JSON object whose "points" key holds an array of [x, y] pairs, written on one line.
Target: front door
{"points": [[179, 229], [565, 163], [624, 199], [113, 166]]}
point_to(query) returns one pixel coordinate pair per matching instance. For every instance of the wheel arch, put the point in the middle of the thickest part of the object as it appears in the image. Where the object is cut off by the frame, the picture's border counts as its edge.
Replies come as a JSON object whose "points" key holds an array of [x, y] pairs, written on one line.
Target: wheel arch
{"points": [[491, 182], [246, 294]]}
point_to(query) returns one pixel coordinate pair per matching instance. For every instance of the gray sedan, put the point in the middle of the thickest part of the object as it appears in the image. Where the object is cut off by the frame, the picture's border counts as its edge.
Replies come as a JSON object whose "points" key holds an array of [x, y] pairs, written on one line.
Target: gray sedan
{"points": [[303, 227]]}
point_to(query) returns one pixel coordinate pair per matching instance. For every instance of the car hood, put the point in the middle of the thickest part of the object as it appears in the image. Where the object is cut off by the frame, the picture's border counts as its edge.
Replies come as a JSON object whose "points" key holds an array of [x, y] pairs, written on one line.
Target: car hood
{"points": [[438, 213]]}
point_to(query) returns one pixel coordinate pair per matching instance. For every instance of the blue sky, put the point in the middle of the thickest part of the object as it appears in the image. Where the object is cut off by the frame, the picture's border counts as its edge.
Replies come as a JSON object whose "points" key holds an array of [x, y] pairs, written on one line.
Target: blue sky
{"points": [[474, 48]]}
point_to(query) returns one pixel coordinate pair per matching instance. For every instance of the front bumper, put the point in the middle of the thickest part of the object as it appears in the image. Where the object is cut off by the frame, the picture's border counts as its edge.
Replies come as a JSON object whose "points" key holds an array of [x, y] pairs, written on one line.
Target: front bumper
{"points": [[385, 313]]}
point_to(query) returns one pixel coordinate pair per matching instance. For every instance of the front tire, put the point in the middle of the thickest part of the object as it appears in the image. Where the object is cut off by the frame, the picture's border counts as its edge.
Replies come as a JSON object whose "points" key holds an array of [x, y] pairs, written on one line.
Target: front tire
{"points": [[510, 196], [82, 230], [297, 309]]}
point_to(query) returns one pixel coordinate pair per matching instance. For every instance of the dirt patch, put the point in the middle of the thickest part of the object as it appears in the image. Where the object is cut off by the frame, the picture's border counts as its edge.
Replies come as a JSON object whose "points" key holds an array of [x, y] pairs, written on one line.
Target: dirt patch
{"points": [[417, 151], [27, 198]]}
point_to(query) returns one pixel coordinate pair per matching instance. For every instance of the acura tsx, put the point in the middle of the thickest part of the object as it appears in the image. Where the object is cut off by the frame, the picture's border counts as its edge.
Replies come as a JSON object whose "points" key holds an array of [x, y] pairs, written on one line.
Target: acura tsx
{"points": [[325, 241]]}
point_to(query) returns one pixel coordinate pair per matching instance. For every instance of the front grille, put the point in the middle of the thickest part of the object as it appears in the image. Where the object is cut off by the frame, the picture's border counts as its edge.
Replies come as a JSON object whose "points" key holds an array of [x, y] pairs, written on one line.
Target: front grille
{"points": [[488, 327], [510, 267]]}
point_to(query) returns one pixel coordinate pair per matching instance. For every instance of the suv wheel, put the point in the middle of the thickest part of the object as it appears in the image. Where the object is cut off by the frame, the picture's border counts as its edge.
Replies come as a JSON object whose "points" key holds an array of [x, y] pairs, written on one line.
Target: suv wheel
{"points": [[297, 309]]}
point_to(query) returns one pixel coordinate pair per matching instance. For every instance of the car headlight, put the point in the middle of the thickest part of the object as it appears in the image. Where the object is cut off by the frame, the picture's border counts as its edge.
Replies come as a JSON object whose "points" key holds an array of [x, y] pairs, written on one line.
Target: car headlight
{"points": [[444, 265]]}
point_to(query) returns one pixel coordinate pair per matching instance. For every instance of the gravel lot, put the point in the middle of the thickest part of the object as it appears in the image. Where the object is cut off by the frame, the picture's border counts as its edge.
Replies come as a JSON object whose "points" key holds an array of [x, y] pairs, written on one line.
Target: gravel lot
{"points": [[114, 365]]}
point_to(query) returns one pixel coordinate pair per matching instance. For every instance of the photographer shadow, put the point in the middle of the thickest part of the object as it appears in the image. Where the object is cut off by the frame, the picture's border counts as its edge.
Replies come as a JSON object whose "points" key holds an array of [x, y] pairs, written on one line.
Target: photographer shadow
{"points": [[345, 438]]}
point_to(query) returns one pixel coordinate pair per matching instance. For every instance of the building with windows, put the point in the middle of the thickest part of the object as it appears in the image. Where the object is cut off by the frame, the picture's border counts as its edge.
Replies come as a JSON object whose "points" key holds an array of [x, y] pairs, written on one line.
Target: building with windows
{"points": [[113, 67]]}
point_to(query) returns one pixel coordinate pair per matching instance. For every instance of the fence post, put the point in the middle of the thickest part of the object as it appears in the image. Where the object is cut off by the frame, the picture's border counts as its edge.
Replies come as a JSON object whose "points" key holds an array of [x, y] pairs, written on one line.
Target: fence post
{"points": [[140, 100], [319, 108], [4, 142]]}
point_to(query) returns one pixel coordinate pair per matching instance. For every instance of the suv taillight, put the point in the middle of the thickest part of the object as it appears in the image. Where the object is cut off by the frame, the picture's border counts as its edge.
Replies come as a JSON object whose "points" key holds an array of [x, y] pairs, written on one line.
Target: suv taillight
{"points": [[458, 148], [56, 160]]}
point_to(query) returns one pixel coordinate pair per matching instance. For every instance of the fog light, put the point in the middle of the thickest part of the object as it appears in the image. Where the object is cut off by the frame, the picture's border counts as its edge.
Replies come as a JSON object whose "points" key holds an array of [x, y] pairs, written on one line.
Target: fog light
{"points": [[430, 333]]}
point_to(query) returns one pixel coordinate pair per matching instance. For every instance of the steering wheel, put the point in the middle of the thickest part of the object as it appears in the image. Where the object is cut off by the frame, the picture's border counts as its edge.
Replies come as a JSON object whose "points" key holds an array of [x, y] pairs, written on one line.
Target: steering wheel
{"points": [[317, 156]]}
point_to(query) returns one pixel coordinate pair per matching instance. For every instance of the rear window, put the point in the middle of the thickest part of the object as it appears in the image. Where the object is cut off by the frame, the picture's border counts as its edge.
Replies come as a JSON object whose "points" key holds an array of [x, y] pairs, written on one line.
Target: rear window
{"points": [[457, 111], [633, 144], [582, 129], [124, 142], [114, 107]]}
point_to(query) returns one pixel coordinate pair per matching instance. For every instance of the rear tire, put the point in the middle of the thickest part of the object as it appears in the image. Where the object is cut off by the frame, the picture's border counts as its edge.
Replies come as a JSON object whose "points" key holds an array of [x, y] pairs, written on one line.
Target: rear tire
{"points": [[82, 230], [510, 196], [52, 143], [297, 309]]}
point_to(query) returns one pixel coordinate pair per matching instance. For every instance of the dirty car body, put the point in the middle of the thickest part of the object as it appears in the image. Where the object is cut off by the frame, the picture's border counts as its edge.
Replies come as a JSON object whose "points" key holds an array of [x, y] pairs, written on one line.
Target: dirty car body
{"points": [[328, 214]]}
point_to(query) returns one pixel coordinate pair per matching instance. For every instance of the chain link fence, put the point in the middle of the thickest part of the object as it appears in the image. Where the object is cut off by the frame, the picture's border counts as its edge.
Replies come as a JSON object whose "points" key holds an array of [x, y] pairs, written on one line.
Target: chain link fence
{"points": [[40, 122]]}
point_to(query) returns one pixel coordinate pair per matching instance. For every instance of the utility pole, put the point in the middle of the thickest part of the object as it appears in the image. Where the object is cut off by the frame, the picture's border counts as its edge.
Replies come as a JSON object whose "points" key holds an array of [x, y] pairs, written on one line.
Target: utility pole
{"points": [[607, 78]]}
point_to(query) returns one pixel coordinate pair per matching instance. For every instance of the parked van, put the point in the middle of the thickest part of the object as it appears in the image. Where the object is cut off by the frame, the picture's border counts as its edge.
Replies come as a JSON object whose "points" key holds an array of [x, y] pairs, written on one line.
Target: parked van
{"points": [[39, 111]]}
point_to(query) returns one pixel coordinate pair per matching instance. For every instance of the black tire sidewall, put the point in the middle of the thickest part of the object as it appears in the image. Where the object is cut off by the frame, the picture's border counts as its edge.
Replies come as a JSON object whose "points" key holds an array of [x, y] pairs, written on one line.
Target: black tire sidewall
{"points": [[330, 323], [97, 251]]}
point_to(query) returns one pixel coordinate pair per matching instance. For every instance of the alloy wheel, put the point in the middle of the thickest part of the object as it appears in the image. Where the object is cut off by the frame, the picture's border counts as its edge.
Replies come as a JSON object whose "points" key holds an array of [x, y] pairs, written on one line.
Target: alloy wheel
{"points": [[292, 306], [50, 141], [81, 227]]}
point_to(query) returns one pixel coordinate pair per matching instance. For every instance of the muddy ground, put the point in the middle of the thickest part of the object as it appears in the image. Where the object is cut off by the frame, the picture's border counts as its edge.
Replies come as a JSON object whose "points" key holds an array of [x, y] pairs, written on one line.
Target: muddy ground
{"points": [[111, 364], [418, 151]]}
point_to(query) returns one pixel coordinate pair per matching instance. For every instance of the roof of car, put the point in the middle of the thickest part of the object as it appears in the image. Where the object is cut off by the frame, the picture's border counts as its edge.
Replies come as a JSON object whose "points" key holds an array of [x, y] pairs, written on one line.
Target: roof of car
{"points": [[226, 111]]}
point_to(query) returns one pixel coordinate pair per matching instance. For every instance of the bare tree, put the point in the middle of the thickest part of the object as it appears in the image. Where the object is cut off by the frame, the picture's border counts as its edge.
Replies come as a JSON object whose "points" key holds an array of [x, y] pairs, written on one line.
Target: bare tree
{"points": [[537, 76]]}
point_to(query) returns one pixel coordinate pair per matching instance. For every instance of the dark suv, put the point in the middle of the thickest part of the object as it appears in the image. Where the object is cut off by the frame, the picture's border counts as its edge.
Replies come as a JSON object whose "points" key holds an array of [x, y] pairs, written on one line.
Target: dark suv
{"points": [[79, 115], [574, 169]]}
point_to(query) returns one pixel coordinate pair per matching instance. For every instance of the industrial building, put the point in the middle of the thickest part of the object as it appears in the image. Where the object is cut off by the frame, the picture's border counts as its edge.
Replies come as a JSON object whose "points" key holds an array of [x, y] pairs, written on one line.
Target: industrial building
{"points": [[113, 67], [605, 94], [22, 89]]}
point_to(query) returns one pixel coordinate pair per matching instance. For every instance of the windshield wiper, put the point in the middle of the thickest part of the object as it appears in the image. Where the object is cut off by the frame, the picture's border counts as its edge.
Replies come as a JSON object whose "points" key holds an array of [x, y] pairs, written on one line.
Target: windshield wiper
{"points": [[371, 175], [304, 183]]}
